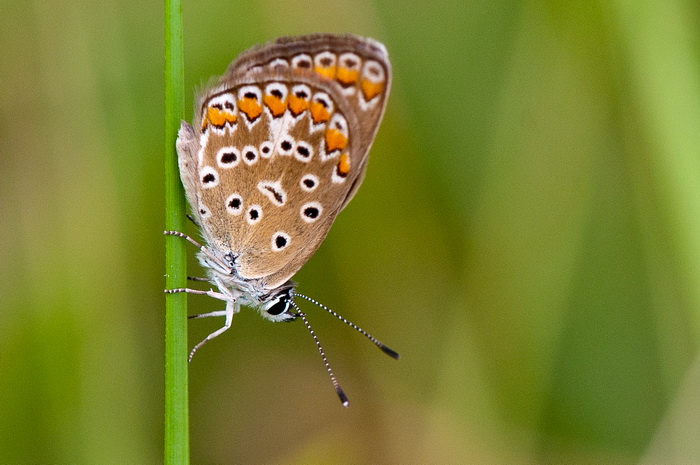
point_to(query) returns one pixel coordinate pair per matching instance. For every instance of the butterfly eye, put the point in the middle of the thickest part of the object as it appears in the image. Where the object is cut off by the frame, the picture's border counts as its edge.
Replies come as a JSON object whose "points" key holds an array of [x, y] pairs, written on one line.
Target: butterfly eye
{"points": [[278, 307]]}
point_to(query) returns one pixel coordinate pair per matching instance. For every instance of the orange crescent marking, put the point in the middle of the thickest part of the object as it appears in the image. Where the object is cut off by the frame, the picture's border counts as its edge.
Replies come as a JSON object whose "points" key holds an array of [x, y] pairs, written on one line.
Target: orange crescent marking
{"points": [[371, 89], [347, 76], [250, 107], [319, 113], [335, 140], [344, 165], [275, 104], [218, 117], [328, 72], [297, 105]]}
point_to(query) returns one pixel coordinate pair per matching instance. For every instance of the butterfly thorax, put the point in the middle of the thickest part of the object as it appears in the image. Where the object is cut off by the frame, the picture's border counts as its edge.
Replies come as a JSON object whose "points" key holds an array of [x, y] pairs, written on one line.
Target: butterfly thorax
{"points": [[273, 304]]}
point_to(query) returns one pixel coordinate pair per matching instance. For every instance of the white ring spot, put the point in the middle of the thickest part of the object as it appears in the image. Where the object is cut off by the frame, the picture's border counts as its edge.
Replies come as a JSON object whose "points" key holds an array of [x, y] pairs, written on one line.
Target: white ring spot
{"points": [[325, 56], [308, 182], [373, 72], [350, 61], [266, 149], [302, 61], [249, 154], [278, 86], [339, 123], [228, 157], [203, 211], [286, 145], [311, 211], [301, 91], [254, 214], [325, 100], [234, 204], [280, 241], [279, 63], [208, 177], [304, 151], [254, 90]]}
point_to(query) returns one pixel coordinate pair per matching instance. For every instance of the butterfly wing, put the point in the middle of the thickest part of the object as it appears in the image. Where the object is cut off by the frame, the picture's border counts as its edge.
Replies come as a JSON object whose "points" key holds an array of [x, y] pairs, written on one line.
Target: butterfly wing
{"points": [[282, 147]]}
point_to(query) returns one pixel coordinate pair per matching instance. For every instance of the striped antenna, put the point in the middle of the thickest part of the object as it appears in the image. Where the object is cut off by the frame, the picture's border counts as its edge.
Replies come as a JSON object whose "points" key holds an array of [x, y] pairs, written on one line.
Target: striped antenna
{"points": [[391, 353], [341, 394]]}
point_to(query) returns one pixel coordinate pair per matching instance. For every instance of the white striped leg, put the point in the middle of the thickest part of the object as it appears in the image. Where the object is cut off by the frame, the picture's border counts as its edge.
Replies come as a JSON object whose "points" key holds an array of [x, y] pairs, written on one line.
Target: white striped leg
{"points": [[210, 293], [204, 250], [231, 308], [206, 315]]}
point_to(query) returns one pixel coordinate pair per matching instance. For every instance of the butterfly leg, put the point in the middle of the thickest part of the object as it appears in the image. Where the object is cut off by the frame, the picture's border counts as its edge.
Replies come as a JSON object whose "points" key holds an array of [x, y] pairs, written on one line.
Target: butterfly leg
{"points": [[202, 248], [231, 308], [210, 293], [206, 315]]}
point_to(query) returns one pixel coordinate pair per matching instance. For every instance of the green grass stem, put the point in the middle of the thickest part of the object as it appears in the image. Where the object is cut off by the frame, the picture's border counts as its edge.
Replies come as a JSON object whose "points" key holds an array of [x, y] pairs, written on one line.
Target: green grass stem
{"points": [[176, 403]]}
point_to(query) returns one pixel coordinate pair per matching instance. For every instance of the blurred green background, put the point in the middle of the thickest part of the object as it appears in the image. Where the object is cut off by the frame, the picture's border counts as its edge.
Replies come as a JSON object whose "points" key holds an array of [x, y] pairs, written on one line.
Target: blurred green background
{"points": [[527, 237]]}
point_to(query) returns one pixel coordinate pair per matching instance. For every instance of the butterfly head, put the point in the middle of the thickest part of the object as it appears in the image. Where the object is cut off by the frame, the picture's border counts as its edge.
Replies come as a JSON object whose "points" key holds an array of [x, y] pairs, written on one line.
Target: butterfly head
{"points": [[278, 306]]}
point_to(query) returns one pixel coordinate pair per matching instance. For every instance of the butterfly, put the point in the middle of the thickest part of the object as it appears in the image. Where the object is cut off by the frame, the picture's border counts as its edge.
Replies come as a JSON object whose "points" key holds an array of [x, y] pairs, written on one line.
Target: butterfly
{"points": [[278, 147]]}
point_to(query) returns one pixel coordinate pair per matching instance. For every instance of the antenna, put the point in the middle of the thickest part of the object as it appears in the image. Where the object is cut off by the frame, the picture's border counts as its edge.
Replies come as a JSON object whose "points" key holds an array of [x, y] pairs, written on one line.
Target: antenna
{"points": [[341, 394], [391, 353]]}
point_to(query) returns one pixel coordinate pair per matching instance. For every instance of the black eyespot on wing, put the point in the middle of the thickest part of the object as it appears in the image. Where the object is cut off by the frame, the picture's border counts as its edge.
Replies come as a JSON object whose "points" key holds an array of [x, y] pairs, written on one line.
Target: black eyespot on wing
{"points": [[280, 241], [209, 177], [286, 145], [311, 212], [228, 157], [235, 203]]}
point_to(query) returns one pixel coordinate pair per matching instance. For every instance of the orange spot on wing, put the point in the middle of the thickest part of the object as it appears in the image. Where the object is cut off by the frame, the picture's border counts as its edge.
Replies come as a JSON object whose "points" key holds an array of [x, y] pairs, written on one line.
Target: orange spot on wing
{"points": [[297, 104], [344, 165], [371, 89], [250, 107], [276, 105], [218, 117], [319, 113], [335, 140], [328, 72], [347, 76]]}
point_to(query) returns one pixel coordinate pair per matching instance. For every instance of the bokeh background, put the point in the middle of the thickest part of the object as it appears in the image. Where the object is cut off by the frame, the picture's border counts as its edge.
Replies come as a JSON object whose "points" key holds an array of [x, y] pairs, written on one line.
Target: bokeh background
{"points": [[527, 237]]}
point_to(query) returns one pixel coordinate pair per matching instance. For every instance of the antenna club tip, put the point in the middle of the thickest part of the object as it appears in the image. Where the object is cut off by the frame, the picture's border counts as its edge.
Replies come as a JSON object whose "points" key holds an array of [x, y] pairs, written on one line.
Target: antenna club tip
{"points": [[343, 397], [390, 352]]}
